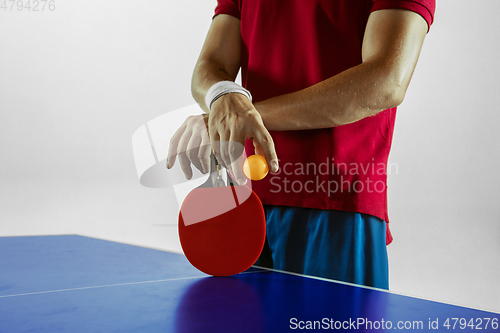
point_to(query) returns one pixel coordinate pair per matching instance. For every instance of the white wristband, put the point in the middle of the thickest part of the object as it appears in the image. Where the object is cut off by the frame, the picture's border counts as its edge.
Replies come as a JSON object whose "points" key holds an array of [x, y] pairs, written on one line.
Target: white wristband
{"points": [[222, 88]]}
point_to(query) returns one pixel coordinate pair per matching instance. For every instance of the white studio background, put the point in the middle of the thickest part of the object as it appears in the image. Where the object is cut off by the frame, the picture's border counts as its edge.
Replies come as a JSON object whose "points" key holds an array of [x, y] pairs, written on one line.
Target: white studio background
{"points": [[76, 82], [444, 201]]}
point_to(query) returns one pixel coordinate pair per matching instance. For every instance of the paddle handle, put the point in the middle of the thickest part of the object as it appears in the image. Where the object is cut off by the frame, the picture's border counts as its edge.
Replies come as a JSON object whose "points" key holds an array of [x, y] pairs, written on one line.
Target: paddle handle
{"points": [[215, 177]]}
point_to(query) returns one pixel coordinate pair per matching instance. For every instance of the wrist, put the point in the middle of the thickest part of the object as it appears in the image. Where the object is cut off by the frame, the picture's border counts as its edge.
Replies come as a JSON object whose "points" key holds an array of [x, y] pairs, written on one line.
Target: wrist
{"points": [[233, 103], [222, 88], [263, 109]]}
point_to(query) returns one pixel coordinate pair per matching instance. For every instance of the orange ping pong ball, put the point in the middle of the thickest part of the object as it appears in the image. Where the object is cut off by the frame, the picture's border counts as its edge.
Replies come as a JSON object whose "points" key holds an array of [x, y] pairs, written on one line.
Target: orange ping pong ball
{"points": [[255, 167]]}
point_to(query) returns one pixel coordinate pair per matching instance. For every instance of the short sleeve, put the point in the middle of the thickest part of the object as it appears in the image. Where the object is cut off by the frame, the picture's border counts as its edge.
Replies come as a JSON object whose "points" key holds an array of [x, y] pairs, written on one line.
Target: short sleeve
{"points": [[229, 7], [425, 8]]}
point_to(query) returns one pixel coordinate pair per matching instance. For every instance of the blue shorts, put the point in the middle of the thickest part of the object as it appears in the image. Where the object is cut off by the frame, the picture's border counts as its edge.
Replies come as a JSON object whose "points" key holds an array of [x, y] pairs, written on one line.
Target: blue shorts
{"points": [[336, 245]]}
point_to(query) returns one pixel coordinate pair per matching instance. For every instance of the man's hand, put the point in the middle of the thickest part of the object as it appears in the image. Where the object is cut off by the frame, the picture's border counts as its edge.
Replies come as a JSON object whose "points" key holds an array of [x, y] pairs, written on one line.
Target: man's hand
{"points": [[192, 144], [232, 120]]}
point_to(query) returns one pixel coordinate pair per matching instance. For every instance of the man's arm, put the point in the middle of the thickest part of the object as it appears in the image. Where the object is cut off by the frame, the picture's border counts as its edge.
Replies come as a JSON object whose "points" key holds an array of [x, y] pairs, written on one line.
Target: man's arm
{"points": [[232, 118], [391, 47], [219, 58]]}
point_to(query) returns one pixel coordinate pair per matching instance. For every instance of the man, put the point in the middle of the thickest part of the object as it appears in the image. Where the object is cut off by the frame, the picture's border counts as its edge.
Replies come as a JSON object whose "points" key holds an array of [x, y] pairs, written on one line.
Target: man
{"points": [[323, 79]]}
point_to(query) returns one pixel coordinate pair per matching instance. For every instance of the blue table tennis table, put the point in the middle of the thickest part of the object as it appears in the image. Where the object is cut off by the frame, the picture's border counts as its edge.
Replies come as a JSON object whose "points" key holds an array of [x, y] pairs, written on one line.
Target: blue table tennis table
{"points": [[79, 284]]}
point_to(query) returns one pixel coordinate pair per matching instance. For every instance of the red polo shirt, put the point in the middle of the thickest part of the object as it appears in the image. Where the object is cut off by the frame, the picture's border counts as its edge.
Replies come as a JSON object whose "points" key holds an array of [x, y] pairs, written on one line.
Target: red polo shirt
{"points": [[288, 45]]}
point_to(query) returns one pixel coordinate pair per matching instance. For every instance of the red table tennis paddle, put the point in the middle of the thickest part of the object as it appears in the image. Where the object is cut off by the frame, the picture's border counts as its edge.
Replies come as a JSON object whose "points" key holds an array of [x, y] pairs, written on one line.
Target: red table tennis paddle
{"points": [[222, 229]]}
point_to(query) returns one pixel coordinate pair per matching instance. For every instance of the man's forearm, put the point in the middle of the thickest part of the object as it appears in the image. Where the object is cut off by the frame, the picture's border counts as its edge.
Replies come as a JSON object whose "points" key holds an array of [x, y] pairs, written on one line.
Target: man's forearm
{"points": [[391, 47], [205, 74], [352, 95]]}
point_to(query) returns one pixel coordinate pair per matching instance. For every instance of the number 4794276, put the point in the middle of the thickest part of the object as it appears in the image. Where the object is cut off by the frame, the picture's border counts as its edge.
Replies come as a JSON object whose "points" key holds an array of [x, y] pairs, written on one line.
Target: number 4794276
{"points": [[28, 5], [477, 323]]}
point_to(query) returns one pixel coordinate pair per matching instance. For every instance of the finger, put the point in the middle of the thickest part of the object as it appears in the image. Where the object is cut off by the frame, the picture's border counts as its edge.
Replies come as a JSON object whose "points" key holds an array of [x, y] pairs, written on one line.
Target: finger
{"points": [[214, 140], [204, 149], [185, 165], [192, 150], [204, 153], [182, 154], [266, 144], [224, 152], [215, 143], [172, 148], [237, 156]]}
